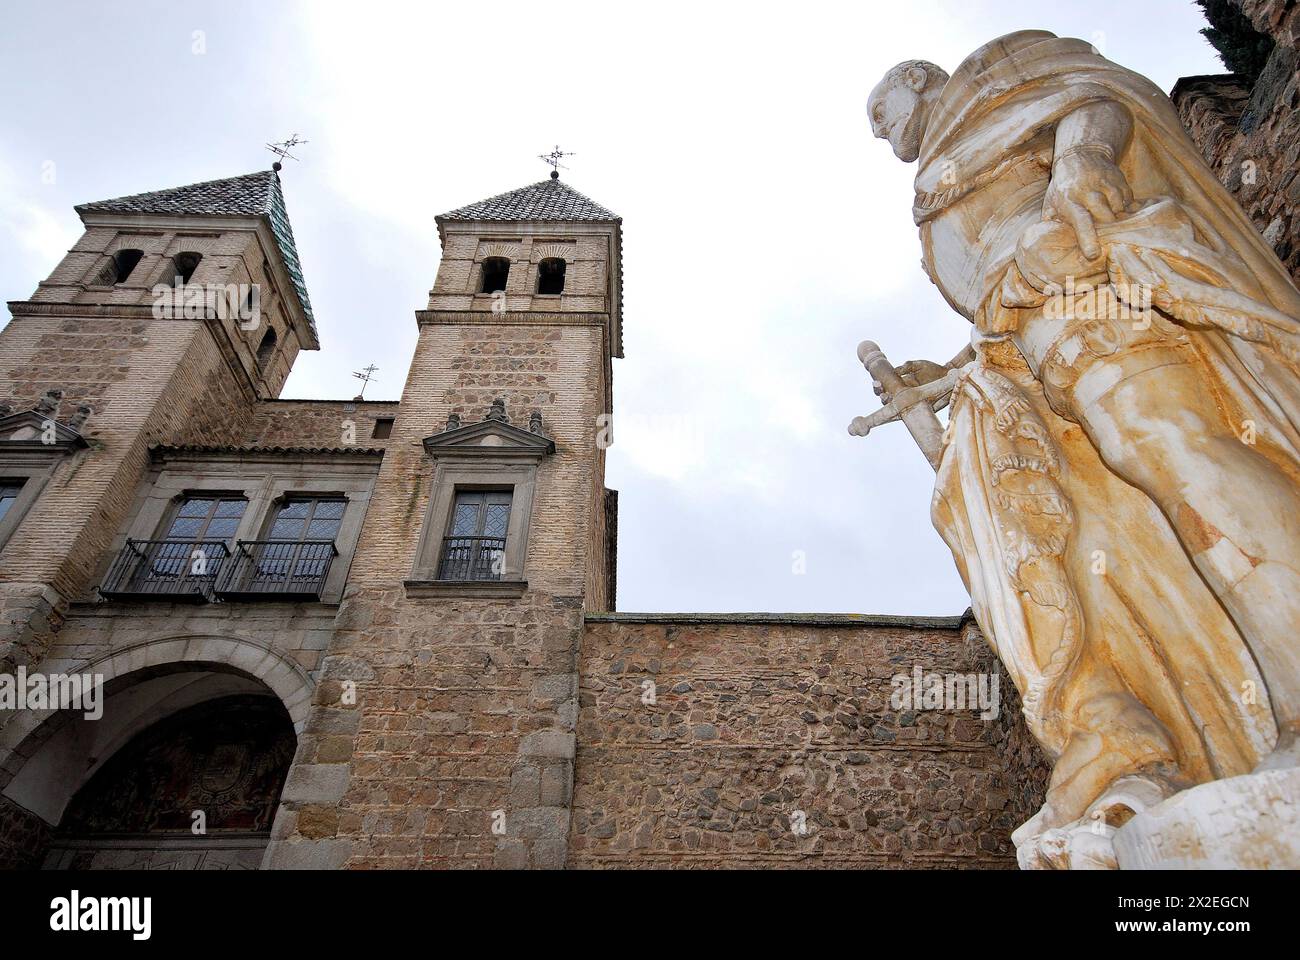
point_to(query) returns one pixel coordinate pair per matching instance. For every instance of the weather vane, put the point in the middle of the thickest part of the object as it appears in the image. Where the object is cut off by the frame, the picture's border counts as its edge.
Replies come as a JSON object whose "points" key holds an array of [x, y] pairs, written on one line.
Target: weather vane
{"points": [[553, 158], [365, 375], [281, 150]]}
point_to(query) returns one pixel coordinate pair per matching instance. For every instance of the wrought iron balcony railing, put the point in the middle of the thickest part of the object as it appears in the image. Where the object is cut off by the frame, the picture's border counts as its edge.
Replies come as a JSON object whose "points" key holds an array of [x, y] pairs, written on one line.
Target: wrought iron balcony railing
{"points": [[472, 558], [294, 569], [181, 570]]}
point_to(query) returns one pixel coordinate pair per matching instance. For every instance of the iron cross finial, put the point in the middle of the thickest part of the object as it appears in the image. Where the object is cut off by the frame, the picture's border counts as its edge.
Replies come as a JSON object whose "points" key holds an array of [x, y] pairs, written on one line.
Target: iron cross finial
{"points": [[281, 149], [553, 158]]}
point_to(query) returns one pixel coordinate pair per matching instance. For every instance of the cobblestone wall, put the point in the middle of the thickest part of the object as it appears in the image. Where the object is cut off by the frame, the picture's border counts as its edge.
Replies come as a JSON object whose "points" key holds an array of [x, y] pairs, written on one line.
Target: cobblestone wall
{"points": [[1249, 132], [772, 742]]}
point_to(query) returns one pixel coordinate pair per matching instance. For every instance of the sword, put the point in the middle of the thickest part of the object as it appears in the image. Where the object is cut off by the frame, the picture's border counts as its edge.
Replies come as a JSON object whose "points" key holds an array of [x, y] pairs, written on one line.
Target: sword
{"points": [[915, 406]]}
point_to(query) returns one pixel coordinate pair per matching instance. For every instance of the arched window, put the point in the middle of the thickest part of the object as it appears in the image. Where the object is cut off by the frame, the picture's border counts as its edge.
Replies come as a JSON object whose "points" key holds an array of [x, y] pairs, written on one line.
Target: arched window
{"points": [[119, 267], [266, 349], [126, 261], [495, 272], [186, 263], [550, 275], [267, 278]]}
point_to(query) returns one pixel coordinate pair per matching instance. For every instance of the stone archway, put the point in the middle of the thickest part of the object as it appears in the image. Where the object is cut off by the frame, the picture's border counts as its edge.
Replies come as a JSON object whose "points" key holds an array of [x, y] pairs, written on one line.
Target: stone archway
{"points": [[196, 790], [48, 757]]}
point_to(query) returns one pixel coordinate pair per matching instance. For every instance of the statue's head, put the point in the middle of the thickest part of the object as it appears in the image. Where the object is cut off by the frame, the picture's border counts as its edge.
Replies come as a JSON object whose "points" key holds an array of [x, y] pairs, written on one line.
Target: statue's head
{"points": [[900, 106]]}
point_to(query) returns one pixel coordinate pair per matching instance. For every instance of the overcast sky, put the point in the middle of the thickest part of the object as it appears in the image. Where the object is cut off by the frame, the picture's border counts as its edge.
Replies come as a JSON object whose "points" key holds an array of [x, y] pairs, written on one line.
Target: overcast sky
{"points": [[765, 232]]}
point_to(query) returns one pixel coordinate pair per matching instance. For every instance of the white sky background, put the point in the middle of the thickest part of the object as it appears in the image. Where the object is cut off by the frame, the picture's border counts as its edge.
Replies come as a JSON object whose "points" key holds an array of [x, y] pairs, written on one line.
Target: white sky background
{"points": [[766, 232]]}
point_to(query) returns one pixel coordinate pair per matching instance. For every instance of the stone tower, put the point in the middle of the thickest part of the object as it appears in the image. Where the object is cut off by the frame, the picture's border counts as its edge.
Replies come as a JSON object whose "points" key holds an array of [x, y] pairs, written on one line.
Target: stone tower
{"points": [[442, 732], [132, 363]]}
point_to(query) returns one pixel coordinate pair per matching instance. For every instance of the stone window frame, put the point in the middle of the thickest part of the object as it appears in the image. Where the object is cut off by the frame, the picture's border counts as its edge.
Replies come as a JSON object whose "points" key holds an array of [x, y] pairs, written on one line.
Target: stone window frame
{"points": [[511, 250], [34, 472], [43, 443], [452, 475], [266, 485]]}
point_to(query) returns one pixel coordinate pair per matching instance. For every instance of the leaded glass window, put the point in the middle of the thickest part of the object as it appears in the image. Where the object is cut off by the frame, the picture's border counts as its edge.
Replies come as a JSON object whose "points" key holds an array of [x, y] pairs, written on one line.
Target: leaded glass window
{"points": [[475, 546], [308, 519], [207, 518]]}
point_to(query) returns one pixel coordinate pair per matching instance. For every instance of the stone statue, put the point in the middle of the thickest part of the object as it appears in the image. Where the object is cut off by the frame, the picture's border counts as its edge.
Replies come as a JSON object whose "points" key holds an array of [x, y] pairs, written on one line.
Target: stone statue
{"points": [[1119, 478], [48, 405]]}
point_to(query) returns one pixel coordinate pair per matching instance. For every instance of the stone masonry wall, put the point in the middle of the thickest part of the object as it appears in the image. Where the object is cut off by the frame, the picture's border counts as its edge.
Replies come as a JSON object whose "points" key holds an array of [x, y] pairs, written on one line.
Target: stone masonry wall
{"points": [[23, 837], [318, 423], [757, 719], [1280, 19], [464, 708], [1250, 133]]}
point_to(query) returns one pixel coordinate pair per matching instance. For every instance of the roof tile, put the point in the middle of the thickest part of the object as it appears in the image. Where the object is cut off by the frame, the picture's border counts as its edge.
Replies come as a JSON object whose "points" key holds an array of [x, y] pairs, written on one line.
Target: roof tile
{"points": [[251, 195], [544, 200]]}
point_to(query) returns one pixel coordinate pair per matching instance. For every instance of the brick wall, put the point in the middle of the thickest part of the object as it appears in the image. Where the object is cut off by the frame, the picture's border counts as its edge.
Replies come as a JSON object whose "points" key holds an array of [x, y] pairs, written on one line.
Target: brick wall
{"points": [[230, 256], [586, 282], [757, 719], [149, 381]]}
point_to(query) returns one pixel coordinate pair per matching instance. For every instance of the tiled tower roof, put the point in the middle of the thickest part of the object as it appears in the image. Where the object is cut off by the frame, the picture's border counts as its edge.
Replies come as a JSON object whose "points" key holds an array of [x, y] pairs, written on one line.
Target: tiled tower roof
{"points": [[251, 195], [544, 200]]}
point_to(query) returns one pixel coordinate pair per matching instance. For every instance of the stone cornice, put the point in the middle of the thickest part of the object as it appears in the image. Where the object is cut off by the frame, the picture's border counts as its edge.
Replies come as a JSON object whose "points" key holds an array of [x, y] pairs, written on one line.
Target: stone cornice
{"points": [[517, 318], [434, 589], [786, 619], [100, 311], [168, 454]]}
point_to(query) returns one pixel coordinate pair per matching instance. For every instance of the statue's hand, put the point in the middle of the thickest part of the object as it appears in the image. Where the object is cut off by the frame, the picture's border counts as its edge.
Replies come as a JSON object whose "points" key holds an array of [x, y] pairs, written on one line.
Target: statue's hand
{"points": [[914, 373], [1087, 188]]}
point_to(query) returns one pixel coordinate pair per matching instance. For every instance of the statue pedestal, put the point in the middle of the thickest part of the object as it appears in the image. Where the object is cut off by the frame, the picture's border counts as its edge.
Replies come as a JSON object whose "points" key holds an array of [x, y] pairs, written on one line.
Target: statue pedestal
{"points": [[1250, 822]]}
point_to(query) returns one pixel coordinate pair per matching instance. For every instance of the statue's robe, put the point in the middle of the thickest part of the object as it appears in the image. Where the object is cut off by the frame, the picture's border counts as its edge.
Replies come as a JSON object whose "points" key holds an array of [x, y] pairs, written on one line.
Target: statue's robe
{"points": [[1125, 658]]}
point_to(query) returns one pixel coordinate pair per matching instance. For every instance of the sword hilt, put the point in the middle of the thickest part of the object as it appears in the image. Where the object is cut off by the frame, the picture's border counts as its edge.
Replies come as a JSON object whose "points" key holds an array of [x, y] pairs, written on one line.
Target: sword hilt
{"points": [[915, 406], [878, 365]]}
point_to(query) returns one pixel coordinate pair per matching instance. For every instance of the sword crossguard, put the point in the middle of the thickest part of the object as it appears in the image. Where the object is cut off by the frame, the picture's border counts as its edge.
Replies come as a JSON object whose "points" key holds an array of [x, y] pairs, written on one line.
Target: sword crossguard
{"points": [[861, 426], [904, 401]]}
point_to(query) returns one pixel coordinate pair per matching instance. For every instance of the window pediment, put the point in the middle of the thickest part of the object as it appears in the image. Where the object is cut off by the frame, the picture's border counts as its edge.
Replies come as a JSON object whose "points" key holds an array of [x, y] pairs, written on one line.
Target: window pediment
{"points": [[37, 431], [489, 438]]}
